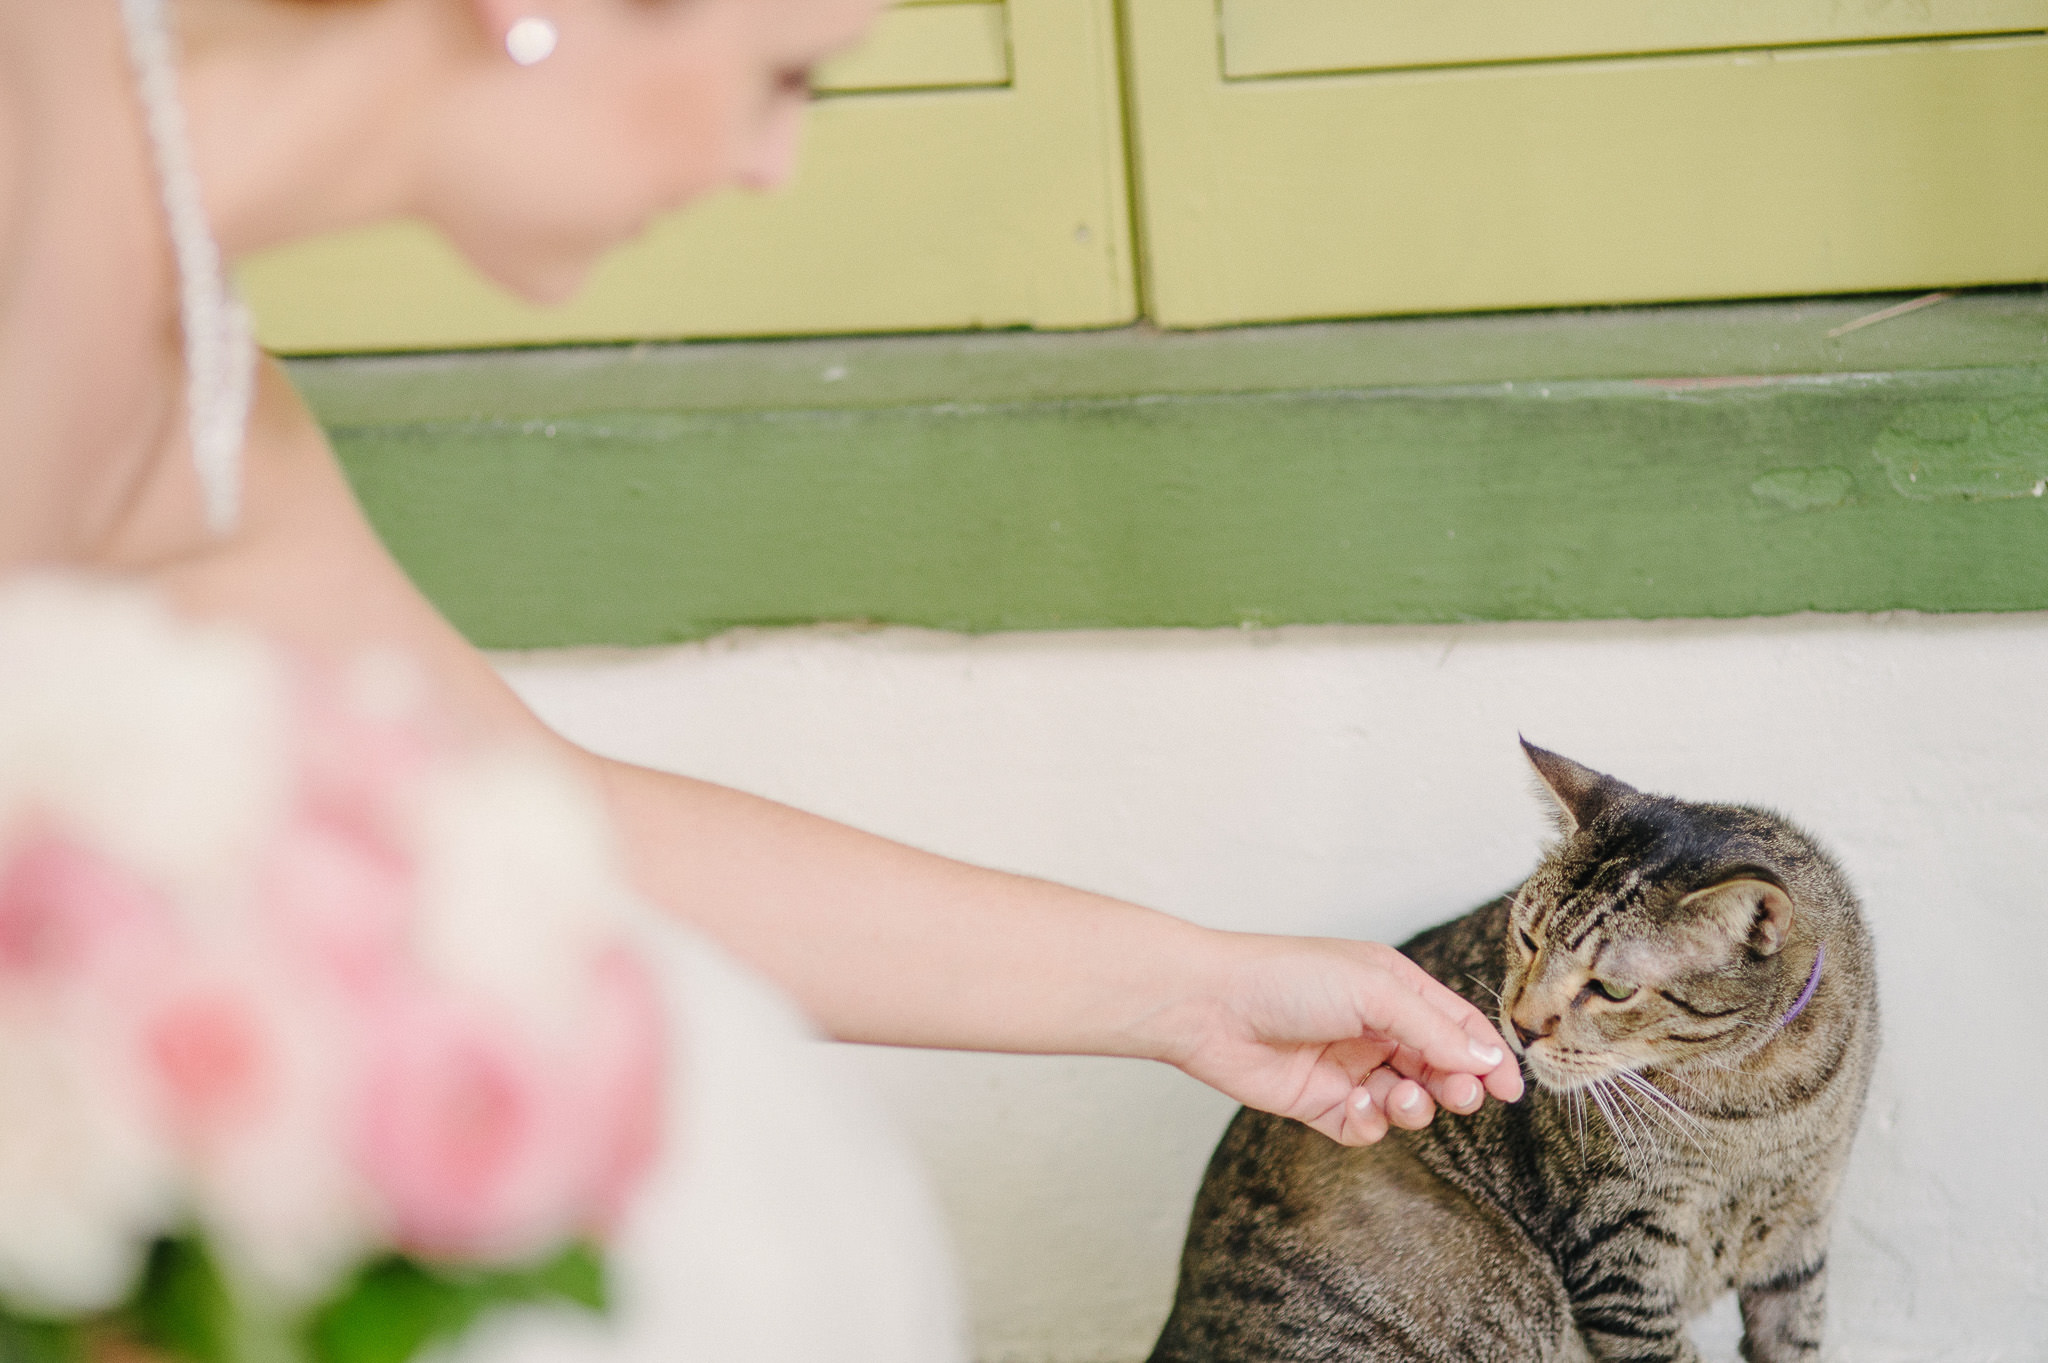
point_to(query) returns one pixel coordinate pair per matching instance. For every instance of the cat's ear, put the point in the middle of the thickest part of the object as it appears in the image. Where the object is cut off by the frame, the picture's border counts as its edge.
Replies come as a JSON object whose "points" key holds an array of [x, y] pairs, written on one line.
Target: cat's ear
{"points": [[1748, 907], [1581, 793]]}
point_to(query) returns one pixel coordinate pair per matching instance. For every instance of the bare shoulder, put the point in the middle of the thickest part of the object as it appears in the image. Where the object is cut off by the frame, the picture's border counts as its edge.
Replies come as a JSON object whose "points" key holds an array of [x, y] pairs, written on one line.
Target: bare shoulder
{"points": [[307, 569], [282, 428], [294, 499]]}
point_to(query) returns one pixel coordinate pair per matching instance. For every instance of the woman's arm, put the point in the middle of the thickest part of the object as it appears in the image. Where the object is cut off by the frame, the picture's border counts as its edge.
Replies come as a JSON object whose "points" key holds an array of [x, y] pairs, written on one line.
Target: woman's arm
{"points": [[887, 943], [879, 941]]}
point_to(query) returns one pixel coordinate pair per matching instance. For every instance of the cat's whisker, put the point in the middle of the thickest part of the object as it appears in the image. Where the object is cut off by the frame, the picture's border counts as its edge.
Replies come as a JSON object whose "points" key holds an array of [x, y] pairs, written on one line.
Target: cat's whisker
{"points": [[1600, 1101], [1647, 1100], [1661, 1102], [1639, 1121], [1709, 1062], [1478, 983], [1630, 1109], [1623, 1135], [1641, 1082], [1695, 1089]]}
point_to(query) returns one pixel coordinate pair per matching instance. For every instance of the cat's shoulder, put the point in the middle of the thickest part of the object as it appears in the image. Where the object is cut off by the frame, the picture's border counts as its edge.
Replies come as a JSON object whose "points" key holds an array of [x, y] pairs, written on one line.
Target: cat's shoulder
{"points": [[1464, 952]]}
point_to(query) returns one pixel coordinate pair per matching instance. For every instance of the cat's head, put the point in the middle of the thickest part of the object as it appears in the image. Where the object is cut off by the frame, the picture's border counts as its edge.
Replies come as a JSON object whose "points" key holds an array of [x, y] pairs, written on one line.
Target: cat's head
{"points": [[1658, 934]]}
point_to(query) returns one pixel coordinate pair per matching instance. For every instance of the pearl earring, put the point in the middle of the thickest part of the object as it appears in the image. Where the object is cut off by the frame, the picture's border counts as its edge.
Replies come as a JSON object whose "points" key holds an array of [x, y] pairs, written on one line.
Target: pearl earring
{"points": [[530, 41]]}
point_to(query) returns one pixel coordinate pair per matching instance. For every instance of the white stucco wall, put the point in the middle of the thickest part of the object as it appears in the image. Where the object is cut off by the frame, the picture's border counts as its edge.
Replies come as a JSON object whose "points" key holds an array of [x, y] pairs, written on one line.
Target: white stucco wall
{"points": [[1367, 782]]}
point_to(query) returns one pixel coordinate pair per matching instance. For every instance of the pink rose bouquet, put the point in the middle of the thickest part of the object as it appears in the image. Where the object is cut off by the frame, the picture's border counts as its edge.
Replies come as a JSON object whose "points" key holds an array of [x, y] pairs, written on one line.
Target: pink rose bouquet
{"points": [[320, 1034]]}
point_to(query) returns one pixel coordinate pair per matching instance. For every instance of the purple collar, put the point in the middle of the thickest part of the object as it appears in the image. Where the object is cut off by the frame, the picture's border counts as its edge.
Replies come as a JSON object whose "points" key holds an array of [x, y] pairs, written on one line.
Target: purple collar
{"points": [[1806, 994]]}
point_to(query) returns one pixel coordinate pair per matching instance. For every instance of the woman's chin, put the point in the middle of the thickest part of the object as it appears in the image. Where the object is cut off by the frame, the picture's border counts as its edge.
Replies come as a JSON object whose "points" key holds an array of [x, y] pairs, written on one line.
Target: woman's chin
{"points": [[542, 269], [545, 278], [548, 286]]}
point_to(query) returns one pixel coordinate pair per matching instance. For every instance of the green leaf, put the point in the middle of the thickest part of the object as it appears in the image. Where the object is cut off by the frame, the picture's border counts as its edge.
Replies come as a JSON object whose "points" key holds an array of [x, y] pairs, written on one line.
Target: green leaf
{"points": [[27, 1340], [182, 1306], [576, 1276], [396, 1307]]}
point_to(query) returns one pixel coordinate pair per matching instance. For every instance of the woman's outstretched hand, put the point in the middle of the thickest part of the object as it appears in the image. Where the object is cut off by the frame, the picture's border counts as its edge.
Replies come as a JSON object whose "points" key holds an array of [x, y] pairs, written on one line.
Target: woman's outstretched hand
{"points": [[1348, 1037]]}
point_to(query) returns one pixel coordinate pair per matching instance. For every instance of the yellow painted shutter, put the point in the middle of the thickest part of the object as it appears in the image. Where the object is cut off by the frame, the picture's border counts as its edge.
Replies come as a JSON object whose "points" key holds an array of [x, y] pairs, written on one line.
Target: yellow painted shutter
{"points": [[963, 169], [1297, 37], [1323, 158]]}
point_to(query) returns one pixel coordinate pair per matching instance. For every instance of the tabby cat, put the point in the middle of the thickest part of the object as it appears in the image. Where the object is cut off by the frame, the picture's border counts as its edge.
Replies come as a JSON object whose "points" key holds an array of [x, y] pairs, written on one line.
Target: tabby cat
{"points": [[1691, 987]]}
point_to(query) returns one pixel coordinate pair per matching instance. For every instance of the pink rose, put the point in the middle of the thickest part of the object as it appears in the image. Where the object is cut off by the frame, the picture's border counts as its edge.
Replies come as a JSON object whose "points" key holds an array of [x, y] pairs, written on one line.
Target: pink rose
{"points": [[341, 875], [257, 1069], [341, 897], [70, 918], [211, 1053], [489, 1140], [85, 1180]]}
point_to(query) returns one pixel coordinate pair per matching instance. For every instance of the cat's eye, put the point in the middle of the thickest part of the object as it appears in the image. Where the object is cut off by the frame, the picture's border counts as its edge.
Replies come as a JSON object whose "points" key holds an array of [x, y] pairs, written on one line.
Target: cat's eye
{"points": [[1620, 993], [1528, 942]]}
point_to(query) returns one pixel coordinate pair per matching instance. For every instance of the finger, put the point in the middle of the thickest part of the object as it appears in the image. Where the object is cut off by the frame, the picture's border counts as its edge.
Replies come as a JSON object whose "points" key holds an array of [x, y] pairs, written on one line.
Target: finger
{"points": [[1409, 1018], [1364, 1123], [1504, 1081], [1355, 1119], [1359, 1056], [1413, 1063], [1409, 1105], [1432, 990], [1405, 1102], [1378, 1085], [1458, 1092]]}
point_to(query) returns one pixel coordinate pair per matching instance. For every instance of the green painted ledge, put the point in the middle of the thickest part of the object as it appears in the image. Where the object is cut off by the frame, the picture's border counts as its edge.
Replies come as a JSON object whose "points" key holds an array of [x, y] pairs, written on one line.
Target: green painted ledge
{"points": [[1696, 461]]}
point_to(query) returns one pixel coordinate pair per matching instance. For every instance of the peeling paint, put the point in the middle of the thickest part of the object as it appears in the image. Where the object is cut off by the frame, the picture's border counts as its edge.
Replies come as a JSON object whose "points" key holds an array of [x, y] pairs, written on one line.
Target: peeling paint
{"points": [[1807, 489], [1950, 452]]}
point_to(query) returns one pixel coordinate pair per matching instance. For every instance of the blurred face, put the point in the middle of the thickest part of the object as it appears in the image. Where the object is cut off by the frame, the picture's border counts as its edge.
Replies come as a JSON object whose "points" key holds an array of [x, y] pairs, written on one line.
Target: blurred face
{"points": [[536, 172]]}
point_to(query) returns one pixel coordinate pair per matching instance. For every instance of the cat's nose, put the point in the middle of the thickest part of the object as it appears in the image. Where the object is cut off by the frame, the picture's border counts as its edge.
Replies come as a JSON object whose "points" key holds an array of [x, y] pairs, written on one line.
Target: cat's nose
{"points": [[1528, 1037]]}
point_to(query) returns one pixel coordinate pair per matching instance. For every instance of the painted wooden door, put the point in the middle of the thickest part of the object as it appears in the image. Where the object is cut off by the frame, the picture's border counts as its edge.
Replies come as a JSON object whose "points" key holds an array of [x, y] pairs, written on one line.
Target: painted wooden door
{"points": [[964, 168], [1327, 158]]}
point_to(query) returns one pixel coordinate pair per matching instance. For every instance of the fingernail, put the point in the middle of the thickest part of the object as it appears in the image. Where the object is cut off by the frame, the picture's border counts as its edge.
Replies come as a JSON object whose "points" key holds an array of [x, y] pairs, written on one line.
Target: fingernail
{"points": [[1411, 1100], [1486, 1055], [1361, 1100]]}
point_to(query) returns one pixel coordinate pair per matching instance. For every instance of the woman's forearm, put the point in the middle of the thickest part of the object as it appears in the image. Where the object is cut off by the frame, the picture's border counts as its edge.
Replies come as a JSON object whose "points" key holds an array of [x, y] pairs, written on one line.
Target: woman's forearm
{"points": [[885, 943]]}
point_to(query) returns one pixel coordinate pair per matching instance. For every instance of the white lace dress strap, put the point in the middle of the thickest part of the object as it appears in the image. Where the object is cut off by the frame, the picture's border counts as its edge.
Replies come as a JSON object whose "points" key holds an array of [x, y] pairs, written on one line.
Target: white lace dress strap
{"points": [[220, 349]]}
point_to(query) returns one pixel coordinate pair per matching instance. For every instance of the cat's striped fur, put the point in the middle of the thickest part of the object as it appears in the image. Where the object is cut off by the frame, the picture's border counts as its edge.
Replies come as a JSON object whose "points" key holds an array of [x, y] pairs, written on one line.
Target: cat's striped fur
{"points": [[1585, 1221]]}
